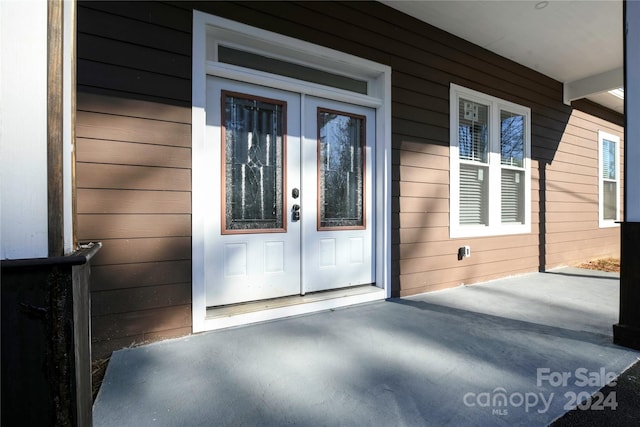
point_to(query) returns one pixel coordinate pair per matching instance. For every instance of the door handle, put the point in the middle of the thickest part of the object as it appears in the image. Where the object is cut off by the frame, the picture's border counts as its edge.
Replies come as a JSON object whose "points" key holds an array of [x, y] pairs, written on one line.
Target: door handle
{"points": [[296, 212]]}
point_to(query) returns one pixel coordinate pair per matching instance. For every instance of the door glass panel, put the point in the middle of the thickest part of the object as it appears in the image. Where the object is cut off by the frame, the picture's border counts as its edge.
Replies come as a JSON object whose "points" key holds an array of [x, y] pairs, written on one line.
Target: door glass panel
{"points": [[253, 157], [341, 160]]}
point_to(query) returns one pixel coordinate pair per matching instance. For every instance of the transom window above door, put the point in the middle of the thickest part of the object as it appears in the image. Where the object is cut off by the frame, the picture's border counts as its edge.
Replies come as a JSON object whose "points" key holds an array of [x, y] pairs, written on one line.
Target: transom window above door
{"points": [[490, 171]]}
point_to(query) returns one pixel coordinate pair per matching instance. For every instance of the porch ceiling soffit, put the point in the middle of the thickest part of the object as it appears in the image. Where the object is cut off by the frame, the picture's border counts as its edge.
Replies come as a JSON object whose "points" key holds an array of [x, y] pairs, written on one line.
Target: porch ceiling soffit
{"points": [[578, 43]]}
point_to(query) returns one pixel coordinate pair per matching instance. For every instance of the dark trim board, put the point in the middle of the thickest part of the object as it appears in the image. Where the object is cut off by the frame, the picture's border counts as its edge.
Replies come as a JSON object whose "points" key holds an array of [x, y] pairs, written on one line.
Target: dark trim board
{"points": [[55, 188]]}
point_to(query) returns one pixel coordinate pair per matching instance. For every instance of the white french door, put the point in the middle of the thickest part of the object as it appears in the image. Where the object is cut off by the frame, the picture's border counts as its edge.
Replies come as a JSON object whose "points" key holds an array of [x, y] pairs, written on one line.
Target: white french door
{"points": [[337, 164], [290, 185]]}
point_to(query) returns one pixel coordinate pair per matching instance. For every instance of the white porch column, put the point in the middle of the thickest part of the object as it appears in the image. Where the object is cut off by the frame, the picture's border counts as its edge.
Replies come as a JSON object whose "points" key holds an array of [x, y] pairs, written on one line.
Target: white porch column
{"points": [[23, 129], [627, 331]]}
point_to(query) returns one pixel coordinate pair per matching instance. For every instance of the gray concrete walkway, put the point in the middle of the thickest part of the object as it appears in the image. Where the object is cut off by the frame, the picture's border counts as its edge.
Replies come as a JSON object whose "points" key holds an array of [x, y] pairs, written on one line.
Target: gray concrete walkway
{"points": [[516, 351]]}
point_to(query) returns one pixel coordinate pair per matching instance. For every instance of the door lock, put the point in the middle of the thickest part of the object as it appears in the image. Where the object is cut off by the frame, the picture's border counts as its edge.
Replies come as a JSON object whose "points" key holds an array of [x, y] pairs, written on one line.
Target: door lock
{"points": [[295, 193], [296, 212]]}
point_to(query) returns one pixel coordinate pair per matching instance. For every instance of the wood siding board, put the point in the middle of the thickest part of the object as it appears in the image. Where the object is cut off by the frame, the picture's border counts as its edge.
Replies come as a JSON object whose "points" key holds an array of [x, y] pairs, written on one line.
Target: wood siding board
{"points": [[418, 189], [600, 242], [105, 201], [142, 250], [423, 146], [132, 31], [129, 276], [145, 298], [114, 52], [96, 74], [420, 287], [113, 102], [420, 129], [127, 226], [140, 322], [125, 153], [128, 129], [125, 177], [160, 14], [470, 273], [421, 204], [101, 349]]}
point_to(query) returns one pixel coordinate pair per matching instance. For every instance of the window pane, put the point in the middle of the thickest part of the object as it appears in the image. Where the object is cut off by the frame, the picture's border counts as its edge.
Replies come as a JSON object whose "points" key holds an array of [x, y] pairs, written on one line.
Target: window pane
{"points": [[610, 205], [473, 131], [341, 170], [512, 196], [474, 195], [253, 164], [289, 69], [512, 131], [608, 159]]}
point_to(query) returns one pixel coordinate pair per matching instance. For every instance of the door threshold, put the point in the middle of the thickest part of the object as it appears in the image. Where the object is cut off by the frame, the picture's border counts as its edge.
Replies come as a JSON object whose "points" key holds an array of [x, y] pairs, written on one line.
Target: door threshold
{"points": [[283, 302], [259, 311]]}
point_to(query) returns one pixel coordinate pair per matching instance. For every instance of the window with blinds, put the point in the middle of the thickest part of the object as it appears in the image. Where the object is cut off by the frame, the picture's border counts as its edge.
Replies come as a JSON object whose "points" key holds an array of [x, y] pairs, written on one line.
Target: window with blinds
{"points": [[512, 151], [608, 179], [490, 165]]}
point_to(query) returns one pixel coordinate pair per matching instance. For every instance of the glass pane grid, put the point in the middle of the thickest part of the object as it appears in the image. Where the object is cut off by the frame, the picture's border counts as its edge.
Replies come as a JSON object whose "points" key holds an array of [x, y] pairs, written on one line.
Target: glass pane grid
{"points": [[512, 136], [473, 131], [609, 159]]}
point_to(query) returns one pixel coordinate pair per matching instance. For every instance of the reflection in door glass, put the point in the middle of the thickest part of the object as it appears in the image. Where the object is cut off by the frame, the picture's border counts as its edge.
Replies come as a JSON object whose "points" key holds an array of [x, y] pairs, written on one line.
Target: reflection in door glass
{"points": [[341, 170], [253, 163]]}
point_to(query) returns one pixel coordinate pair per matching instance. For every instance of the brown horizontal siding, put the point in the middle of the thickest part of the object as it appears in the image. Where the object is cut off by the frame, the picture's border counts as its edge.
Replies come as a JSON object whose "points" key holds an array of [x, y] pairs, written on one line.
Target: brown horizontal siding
{"points": [[132, 129], [123, 251], [141, 298], [101, 349], [123, 226], [141, 323], [124, 153], [101, 201], [111, 102], [127, 177], [573, 231], [134, 156], [138, 275], [133, 167]]}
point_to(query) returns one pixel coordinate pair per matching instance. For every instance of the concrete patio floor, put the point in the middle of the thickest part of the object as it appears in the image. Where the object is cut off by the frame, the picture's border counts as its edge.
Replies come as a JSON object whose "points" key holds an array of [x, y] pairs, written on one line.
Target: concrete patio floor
{"points": [[515, 351]]}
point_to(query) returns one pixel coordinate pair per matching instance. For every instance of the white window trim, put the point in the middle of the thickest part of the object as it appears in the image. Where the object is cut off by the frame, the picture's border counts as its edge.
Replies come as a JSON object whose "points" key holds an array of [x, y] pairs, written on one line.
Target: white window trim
{"points": [[495, 227], [208, 31], [606, 223]]}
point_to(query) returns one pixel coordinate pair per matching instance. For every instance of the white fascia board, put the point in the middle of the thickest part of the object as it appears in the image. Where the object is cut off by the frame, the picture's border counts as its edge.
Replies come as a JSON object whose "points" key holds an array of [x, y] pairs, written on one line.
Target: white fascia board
{"points": [[603, 82]]}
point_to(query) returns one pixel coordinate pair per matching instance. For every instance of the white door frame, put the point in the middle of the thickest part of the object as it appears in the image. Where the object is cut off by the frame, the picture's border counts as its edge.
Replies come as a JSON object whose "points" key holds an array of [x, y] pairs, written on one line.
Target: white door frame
{"points": [[211, 31]]}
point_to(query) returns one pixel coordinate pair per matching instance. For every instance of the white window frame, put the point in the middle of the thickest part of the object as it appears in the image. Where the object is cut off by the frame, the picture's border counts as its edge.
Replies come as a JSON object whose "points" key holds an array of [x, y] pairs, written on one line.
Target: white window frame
{"points": [[209, 31], [605, 223], [495, 226]]}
